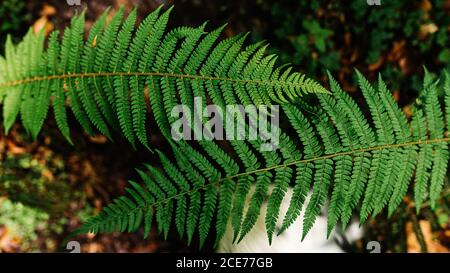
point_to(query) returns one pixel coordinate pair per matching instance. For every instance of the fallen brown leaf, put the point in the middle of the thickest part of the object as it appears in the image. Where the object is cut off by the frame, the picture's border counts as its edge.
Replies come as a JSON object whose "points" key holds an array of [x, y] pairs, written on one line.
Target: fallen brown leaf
{"points": [[43, 24], [426, 6], [48, 10], [396, 95], [375, 66], [98, 139], [14, 149], [426, 30], [48, 174], [397, 51]]}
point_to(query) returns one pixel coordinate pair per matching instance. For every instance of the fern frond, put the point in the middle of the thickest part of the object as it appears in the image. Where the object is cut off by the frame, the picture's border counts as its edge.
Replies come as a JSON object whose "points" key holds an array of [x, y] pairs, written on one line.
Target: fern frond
{"points": [[104, 79], [339, 155]]}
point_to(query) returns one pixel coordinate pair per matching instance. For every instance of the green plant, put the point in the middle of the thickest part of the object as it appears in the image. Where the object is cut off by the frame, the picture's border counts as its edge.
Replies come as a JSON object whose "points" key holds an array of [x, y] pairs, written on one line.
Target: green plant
{"points": [[104, 76], [36, 196], [26, 223], [341, 151], [15, 18], [22, 180], [326, 144], [22, 221], [360, 36]]}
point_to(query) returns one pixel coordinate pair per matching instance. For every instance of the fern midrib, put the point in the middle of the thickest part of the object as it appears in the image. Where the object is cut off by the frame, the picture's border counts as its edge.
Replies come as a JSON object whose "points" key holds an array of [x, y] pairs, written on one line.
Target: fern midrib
{"points": [[297, 162], [145, 74]]}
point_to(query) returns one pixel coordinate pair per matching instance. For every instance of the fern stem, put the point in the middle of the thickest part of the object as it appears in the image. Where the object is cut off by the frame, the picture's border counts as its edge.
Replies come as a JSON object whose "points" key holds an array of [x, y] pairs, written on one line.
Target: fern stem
{"points": [[148, 74], [418, 232]]}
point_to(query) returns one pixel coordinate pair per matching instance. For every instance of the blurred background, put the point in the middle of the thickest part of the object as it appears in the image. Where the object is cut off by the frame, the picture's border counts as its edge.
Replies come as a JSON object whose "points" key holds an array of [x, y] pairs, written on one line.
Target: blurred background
{"points": [[47, 187]]}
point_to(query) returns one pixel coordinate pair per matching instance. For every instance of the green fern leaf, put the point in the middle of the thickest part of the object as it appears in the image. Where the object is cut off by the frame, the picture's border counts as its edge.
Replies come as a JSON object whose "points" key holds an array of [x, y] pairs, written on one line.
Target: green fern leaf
{"points": [[336, 153]]}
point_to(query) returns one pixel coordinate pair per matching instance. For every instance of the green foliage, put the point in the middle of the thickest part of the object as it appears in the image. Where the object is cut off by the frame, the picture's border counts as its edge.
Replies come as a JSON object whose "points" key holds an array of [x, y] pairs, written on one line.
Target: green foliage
{"points": [[34, 194], [331, 149], [21, 221], [355, 34], [23, 179], [15, 18], [27, 225], [102, 79]]}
